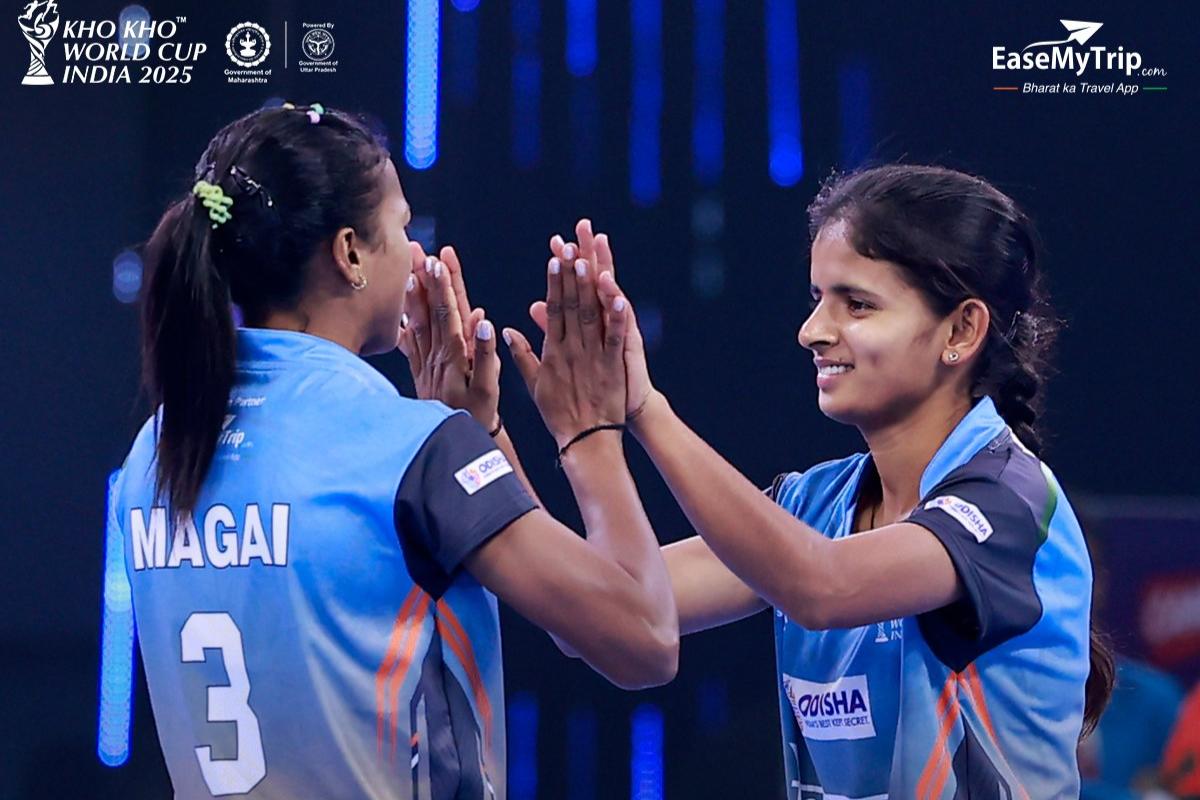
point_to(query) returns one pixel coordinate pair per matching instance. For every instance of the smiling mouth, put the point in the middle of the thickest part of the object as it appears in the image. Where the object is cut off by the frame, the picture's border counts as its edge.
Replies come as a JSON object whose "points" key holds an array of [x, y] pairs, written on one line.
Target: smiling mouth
{"points": [[834, 369]]}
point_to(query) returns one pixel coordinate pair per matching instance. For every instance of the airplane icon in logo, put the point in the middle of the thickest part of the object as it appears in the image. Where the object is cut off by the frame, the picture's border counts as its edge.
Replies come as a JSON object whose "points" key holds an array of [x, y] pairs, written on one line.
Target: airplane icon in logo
{"points": [[1079, 32]]}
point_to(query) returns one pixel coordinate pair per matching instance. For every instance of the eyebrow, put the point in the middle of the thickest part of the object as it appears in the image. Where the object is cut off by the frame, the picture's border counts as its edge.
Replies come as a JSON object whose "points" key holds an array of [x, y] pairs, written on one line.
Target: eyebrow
{"points": [[842, 289]]}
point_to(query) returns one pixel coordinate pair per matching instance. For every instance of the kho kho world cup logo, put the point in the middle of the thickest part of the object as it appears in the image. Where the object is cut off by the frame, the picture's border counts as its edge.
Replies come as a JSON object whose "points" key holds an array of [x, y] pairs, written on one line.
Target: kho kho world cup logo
{"points": [[39, 23]]}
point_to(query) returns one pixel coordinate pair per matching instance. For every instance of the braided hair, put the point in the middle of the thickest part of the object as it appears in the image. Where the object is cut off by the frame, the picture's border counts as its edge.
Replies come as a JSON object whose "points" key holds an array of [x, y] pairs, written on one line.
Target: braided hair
{"points": [[955, 236]]}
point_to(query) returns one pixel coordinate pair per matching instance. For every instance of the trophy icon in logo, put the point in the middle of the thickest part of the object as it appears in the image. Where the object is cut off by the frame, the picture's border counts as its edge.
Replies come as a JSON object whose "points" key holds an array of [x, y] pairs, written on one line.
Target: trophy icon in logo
{"points": [[39, 23]]}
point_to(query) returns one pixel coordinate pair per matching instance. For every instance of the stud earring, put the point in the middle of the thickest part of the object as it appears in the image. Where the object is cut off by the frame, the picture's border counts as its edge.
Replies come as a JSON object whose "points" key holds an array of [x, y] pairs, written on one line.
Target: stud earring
{"points": [[952, 356], [360, 281]]}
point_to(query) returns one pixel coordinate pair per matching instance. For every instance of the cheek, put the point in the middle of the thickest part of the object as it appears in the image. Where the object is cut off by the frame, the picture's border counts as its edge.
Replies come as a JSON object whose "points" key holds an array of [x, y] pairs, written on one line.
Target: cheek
{"points": [[892, 355]]}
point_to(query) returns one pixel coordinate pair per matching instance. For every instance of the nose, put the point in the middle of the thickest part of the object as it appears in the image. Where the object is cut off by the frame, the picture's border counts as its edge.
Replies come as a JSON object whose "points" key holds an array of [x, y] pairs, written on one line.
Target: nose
{"points": [[816, 331]]}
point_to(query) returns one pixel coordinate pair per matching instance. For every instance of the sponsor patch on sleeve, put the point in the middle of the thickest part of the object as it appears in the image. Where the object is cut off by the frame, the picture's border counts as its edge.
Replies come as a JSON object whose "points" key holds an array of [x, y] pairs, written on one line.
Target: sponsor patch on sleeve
{"points": [[967, 514], [831, 711], [482, 471]]}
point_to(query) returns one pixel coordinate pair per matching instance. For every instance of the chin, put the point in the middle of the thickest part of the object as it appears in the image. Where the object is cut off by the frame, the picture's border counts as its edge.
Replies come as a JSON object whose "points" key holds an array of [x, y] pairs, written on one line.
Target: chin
{"points": [[839, 409]]}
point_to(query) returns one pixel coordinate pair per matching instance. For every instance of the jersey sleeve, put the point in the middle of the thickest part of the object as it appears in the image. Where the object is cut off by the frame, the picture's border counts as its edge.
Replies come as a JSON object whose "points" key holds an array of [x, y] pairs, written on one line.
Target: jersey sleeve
{"points": [[458, 492], [992, 537]]}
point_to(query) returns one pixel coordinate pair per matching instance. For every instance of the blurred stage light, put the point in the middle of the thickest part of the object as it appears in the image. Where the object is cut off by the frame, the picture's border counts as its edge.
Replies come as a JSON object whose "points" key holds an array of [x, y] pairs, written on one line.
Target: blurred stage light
{"points": [[645, 122], [786, 160], [522, 746], [526, 84], [421, 108], [116, 651], [126, 276], [708, 92], [646, 762], [581, 754], [581, 37]]}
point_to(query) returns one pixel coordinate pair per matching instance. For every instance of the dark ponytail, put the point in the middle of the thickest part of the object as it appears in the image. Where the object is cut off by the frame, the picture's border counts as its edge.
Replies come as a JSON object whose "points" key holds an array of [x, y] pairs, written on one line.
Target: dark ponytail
{"points": [[294, 183], [955, 236], [187, 349]]}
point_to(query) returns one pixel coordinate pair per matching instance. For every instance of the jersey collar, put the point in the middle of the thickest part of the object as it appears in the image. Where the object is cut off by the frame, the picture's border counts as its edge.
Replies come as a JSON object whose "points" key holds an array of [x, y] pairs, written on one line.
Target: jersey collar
{"points": [[974, 432], [273, 345]]}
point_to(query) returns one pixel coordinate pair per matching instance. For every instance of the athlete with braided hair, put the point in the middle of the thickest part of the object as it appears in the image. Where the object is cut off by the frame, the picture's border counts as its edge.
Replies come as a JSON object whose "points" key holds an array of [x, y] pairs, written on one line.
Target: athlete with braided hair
{"points": [[932, 595]]}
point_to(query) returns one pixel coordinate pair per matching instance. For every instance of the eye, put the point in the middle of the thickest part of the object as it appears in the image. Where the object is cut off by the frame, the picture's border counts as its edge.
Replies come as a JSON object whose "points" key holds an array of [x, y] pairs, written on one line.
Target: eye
{"points": [[857, 306]]}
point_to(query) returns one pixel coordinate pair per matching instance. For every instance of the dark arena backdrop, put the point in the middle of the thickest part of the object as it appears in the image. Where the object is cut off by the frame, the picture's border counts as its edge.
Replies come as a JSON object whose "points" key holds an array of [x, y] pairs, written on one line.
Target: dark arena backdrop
{"points": [[694, 132]]}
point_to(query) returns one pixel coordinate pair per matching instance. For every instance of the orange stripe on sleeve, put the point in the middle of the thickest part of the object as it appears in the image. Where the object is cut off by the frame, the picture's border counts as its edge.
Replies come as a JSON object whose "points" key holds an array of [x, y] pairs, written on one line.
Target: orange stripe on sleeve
{"points": [[404, 663]]}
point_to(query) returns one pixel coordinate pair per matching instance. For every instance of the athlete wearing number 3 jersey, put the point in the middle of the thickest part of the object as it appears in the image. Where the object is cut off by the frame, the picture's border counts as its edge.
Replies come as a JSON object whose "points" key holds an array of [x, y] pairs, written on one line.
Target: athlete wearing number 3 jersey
{"points": [[312, 556]]}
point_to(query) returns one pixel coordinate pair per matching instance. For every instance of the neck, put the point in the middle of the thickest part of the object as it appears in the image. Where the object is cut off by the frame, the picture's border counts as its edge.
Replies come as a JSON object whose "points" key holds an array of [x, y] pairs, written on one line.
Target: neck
{"points": [[903, 449], [302, 321]]}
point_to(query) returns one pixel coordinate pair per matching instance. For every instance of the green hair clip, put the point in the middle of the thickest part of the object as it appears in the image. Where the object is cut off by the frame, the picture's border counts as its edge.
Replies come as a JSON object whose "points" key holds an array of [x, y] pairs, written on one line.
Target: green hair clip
{"points": [[215, 200]]}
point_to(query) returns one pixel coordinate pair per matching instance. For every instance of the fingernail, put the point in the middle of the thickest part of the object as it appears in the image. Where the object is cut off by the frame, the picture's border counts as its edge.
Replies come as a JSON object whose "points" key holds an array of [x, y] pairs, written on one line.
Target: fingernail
{"points": [[581, 268], [555, 266], [619, 304], [429, 262], [437, 270], [605, 273], [507, 337], [569, 252], [483, 331], [404, 320], [412, 283], [556, 239]]}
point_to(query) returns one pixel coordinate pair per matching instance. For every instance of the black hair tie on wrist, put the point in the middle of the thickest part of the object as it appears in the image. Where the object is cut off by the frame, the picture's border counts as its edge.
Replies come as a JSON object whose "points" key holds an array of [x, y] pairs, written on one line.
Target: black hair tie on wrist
{"points": [[499, 427], [612, 426]]}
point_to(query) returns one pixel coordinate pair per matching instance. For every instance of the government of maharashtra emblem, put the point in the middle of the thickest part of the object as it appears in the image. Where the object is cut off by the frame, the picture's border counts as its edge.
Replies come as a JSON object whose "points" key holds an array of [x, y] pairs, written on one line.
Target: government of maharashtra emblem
{"points": [[39, 23]]}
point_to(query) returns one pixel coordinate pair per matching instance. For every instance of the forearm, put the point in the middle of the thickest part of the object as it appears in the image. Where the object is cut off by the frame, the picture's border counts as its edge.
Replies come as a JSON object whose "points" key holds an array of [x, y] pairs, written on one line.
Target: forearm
{"points": [[784, 561], [510, 452], [616, 523]]}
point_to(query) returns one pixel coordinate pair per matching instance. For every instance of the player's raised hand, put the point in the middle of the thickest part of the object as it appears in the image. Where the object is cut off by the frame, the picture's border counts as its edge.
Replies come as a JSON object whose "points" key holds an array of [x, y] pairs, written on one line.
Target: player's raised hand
{"points": [[596, 249], [434, 340], [579, 381]]}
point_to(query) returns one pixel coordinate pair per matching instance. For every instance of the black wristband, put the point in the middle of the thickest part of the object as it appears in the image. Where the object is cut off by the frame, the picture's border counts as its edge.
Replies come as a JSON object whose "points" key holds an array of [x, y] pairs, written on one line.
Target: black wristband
{"points": [[499, 427], [612, 426]]}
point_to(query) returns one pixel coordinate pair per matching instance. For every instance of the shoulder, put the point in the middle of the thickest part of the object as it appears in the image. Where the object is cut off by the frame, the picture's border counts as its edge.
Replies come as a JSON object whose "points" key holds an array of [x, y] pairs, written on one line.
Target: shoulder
{"points": [[1003, 471]]}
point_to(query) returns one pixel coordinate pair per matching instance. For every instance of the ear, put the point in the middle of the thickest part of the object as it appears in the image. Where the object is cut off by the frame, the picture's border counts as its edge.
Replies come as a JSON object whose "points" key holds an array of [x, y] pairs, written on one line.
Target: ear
{"points": [[969, 325], [346, 251]]}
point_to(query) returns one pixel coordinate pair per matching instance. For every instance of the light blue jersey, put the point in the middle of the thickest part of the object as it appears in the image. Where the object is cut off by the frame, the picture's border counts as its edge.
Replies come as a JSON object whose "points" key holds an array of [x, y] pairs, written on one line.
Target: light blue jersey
{"points": [[981, 699], [308, 632]]}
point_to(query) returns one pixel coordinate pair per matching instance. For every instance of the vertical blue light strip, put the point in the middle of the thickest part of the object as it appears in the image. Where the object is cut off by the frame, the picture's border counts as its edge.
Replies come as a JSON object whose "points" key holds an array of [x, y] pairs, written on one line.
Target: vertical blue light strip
{"points": [[854, 99], [581, 37], [522, 746], [645, 148], [646, 763], [116, 645], [526, 84], [421, 83], [786, 161], [462, 37], [708, 120], [581, 754]]}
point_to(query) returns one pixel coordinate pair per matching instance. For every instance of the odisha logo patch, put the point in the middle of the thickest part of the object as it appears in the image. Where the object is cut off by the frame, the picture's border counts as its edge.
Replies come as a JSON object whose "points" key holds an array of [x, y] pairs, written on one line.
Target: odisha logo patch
{"points": [[967, 514], [482, 471]]}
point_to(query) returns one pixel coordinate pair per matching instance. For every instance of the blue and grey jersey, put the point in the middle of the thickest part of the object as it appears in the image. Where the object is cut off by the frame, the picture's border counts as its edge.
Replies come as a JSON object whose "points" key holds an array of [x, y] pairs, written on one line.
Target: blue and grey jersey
{"points": [[309, 631], [980, 699]]}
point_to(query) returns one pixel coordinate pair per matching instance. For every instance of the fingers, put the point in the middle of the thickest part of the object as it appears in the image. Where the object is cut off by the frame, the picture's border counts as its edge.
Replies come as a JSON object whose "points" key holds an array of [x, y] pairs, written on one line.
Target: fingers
{"points": [[485, 377], [589, 307], [523, 355], [587, 244], [446, 326], [458, 282], [572, 332], [537, 313], [554, 302], [416, 306], [609, 292], [604, 256], [616, 324]]}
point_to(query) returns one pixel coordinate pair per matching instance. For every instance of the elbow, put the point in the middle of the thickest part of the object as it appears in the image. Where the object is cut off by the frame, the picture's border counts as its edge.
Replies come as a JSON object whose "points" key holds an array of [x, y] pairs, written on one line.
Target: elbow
{"points": [[820, 609], [653, 662]]}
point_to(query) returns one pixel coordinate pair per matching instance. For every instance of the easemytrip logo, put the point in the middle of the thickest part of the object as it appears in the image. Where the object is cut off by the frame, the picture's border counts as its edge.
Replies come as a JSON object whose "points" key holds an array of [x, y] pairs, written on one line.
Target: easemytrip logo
{"points": [[1072, 54]]}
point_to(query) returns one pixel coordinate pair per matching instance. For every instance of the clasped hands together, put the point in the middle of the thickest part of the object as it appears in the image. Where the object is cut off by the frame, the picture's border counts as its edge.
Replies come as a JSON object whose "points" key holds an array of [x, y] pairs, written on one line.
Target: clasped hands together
{"points": [[592, 369]]}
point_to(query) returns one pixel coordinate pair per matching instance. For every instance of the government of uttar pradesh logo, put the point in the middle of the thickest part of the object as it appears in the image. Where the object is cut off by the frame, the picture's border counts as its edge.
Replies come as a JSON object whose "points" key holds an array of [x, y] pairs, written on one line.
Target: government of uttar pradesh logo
{"points": [[317, 44], [39, 23], [247, 44]]}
